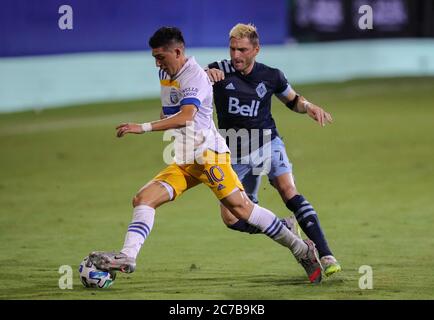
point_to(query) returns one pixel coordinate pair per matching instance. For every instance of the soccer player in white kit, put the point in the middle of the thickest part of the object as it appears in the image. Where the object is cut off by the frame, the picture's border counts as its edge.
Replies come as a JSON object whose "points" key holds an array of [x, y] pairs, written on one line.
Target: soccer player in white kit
{"points": [[201, 156]]}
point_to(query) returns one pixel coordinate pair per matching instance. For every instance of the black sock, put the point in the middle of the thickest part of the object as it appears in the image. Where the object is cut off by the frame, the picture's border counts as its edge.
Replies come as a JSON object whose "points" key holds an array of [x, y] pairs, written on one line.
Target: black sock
{"points": [[309, 223], [244, 226]]}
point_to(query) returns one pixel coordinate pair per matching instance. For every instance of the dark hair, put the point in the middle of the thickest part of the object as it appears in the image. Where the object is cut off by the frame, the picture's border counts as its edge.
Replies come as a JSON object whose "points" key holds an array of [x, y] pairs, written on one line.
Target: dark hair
{"points": [[165, 37]]}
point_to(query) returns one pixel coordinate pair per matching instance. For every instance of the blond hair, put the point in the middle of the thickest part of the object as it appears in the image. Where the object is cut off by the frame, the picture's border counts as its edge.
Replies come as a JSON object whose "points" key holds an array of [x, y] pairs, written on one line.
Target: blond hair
{"points": [[242, 30]]}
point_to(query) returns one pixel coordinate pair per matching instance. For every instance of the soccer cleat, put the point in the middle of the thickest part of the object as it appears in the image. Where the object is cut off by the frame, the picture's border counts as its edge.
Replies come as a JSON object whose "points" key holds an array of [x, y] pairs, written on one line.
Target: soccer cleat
{"points": [[330, 265], [291, 223], [311, 263], [113, 261]]}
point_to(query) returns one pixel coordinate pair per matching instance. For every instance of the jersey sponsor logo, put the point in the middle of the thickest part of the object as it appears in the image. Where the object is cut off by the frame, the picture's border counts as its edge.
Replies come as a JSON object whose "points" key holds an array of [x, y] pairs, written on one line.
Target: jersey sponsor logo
{"points": [[261, 90], [244, 110], [230, 86], [190, 92]]}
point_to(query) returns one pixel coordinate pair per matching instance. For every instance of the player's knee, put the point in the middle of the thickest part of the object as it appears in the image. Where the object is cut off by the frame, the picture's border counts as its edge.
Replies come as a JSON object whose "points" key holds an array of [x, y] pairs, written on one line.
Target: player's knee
{"points": [[153, 195], [239, 205]]}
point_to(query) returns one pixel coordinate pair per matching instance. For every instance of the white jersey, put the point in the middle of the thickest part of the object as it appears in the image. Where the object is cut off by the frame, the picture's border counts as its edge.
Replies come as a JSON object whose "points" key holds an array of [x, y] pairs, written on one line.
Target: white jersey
{"points": [[191, 85]]}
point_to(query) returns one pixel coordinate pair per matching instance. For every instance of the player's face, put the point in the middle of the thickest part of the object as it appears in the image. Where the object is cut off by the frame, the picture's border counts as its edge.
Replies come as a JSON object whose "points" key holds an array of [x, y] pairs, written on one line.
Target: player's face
{"points": [[243, 54], [167, 59]]}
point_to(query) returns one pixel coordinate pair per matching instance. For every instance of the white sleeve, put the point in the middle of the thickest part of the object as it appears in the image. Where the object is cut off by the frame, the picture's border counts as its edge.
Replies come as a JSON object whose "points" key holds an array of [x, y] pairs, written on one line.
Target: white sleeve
{"points": [[194, 89]]}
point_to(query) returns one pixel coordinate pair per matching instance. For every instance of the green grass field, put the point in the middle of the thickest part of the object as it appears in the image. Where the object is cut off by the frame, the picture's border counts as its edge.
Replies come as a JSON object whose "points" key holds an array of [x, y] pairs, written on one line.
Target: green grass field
{"points": [[66, 184]]}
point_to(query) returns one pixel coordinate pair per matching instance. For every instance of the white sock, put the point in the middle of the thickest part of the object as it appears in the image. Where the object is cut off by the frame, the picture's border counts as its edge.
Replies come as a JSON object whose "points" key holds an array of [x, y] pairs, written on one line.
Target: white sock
{"points": [[138, 230], [270, 225]]}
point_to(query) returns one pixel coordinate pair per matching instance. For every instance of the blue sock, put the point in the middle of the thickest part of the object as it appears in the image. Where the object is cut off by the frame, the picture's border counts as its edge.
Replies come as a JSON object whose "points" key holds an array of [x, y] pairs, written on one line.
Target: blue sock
{"points": [[244, 226], [309, 223]]}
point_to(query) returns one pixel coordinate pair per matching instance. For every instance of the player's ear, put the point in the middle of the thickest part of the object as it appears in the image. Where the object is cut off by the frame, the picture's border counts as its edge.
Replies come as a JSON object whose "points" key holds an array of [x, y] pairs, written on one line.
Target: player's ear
{"points": [[257, 49]]}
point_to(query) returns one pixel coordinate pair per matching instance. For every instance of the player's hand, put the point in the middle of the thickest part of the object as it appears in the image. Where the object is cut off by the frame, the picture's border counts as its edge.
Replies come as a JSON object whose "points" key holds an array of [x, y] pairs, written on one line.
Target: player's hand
{"points": [[318, 114], [125, 128], [215, 75]]}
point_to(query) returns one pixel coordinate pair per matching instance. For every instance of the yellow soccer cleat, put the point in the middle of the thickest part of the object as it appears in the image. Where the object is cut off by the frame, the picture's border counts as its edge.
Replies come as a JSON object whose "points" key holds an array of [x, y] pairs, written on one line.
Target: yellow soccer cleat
{"points": [[330, 265]]}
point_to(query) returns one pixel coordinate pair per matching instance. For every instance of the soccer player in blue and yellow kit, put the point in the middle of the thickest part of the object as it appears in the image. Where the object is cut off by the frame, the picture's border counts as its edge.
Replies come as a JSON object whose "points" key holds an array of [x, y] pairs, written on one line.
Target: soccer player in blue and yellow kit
{"points": [[243, 89], [201, 156]]}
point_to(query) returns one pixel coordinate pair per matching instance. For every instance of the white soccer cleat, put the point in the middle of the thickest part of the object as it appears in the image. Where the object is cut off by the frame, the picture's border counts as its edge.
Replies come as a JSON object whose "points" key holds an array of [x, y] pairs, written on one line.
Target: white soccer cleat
{"points": [[113, 261]]}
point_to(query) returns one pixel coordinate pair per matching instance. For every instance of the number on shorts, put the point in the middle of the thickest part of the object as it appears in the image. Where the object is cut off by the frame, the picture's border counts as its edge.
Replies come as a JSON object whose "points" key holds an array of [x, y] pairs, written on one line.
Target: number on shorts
{"points": [[211, 174]]}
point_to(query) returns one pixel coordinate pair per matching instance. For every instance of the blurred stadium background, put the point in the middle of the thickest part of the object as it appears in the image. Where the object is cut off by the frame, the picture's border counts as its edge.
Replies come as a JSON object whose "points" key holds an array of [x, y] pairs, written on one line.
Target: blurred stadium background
{"points": [[66, 182], [108, 39]]}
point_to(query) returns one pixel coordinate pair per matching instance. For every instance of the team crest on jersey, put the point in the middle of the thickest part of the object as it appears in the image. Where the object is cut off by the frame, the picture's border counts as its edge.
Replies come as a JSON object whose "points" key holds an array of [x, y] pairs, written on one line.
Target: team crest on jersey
{"points": [[174, 99], [261, 90]]}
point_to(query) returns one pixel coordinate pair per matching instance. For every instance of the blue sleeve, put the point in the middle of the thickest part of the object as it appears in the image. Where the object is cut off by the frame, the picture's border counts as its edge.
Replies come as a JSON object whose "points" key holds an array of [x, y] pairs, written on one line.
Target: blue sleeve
{"points": [[193, 101]]}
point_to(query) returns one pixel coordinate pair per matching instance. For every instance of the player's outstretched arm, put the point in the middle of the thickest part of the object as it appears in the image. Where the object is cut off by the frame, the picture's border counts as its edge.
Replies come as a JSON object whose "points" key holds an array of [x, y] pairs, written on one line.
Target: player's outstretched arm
{"points": [[299, 104], [317, 113], [178, 120]]}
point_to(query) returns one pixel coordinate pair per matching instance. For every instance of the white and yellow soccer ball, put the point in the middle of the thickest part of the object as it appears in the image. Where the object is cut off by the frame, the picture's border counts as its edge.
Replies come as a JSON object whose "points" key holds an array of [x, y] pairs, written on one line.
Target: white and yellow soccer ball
{"points": [[91, 277]]}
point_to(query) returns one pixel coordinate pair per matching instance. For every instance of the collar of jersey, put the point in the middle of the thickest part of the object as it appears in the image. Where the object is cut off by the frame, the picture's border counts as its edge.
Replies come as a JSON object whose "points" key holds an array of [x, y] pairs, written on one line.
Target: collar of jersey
{"points": [[255, 66], [187, 63]]}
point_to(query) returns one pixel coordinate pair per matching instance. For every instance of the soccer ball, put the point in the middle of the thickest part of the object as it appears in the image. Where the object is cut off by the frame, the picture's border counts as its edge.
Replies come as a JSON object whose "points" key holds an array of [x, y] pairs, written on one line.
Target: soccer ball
{"points": [[91, 277]]}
